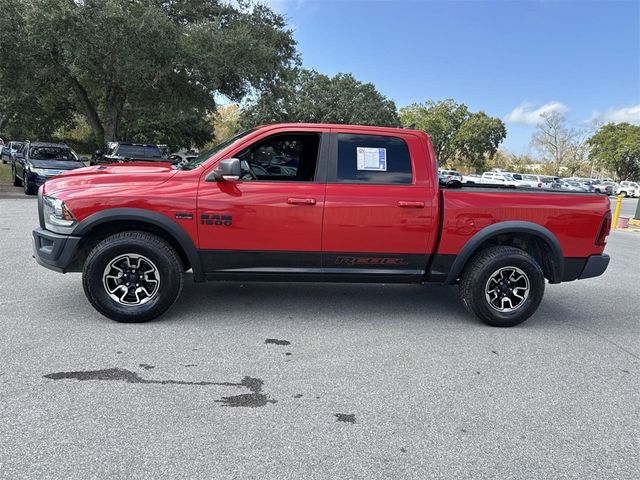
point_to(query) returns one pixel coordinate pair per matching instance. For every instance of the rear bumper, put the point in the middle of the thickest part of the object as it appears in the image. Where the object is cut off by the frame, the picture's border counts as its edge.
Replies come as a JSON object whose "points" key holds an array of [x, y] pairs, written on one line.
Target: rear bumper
{"points": [[54, 251], [595, 266]]}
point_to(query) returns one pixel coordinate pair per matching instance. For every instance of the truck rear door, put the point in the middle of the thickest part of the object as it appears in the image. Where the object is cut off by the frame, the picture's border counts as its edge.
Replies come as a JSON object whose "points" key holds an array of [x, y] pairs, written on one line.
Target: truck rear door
{"points": [[380, 204]]}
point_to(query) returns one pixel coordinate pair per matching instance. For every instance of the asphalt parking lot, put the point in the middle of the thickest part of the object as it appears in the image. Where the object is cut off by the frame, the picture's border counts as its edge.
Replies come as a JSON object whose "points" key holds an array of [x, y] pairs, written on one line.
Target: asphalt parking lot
{"points": [[293, 381]]}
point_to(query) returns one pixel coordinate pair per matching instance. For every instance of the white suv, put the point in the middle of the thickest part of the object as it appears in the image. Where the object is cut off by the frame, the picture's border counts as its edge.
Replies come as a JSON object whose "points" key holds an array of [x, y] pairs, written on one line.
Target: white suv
{"points": [[536, 181], [629, 189], [500, 178]]}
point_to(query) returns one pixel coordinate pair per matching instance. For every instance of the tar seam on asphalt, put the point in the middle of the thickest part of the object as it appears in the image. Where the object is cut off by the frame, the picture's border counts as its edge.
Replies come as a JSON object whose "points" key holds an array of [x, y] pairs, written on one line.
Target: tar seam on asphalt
{"points": [[275, 341], [146, 366], [254, 399], [345, 417]]}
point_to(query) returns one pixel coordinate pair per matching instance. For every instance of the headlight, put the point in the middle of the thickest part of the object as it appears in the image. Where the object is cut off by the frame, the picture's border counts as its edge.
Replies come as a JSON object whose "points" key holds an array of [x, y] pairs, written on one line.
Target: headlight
{"points": [[57, 216], [40, 171]]}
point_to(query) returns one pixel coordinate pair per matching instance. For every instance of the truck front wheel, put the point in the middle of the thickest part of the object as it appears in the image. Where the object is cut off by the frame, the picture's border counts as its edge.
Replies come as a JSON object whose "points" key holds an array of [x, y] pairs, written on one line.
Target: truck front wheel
{"points": [[132, 277], [503, 286]]}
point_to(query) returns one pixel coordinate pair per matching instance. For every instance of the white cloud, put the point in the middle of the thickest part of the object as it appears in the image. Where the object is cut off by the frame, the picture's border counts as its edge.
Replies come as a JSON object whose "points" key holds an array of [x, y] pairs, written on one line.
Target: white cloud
{"points": [[527, 114], [619, 115]]}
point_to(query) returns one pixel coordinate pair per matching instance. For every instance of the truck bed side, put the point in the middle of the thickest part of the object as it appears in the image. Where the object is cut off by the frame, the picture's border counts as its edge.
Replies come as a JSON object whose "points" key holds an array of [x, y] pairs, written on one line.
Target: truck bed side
{"points": [[574, 220]]}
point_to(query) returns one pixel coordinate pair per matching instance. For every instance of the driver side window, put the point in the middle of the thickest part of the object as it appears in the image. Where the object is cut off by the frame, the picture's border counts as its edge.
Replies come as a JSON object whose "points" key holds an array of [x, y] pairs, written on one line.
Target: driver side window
{"points": [[288, 157]]}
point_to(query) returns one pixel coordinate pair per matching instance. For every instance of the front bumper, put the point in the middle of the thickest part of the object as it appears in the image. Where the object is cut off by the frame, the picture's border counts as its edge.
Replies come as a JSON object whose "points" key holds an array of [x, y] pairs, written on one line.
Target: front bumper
{"points": [[55, 251], [595, 266]]}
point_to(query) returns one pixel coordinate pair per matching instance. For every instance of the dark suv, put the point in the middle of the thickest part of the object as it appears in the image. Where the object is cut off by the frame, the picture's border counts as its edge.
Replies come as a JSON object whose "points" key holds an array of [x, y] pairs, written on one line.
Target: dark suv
{"points": [[36, 162], [120, 152]]}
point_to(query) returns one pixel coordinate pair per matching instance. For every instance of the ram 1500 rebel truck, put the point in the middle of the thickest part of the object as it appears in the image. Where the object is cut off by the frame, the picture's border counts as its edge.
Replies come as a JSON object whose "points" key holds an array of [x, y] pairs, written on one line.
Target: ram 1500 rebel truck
{"points": [[314, 202]]}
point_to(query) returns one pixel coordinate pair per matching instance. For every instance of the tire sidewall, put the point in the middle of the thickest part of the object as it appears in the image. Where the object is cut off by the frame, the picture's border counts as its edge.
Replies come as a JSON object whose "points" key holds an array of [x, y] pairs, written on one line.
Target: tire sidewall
{"points": [[169, 281], [530, 305]]}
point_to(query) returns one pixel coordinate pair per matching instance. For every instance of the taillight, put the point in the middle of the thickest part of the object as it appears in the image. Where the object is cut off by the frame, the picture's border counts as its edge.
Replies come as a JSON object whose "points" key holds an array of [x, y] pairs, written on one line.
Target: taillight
{"points": [[605, 228]]}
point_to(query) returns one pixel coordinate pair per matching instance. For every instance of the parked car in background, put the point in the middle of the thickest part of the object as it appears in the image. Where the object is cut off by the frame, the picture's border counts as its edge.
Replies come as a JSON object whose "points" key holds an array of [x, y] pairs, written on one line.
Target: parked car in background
{"points": [[602, 187], [37, 162], [471, 178], [535, 181], [449, 175], [9, 150], [122, 152], [575, 186], [614, 187], [497, 178], [628, 189]]}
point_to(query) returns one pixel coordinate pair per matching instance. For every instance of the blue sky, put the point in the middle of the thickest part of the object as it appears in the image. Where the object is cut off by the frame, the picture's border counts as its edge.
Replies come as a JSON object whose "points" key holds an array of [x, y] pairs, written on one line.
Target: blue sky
{"points": [[511, 59]]}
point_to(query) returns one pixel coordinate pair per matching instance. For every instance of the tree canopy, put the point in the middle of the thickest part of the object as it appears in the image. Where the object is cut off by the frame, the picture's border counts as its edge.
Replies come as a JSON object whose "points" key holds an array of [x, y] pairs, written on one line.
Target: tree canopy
{"points": [[617, 147], [457, 134], [146, 70], [308, 96]]}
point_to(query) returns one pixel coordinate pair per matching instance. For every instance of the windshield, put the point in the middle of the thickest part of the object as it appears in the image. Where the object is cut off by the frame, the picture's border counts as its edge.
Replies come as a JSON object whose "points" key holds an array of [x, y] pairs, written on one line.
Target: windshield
{"points": [[507, 176], [200, 159], [51, 153], [140, 151]]}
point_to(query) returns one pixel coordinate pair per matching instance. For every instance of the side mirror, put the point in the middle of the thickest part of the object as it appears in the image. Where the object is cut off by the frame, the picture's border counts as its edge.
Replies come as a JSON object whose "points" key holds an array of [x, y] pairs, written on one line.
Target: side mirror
{"points": [[227, 170]]}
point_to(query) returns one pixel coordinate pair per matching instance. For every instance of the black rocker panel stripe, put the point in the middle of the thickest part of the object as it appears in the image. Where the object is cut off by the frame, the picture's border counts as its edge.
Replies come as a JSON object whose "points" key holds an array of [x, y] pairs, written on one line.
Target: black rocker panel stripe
{"points": [[218, 261]]}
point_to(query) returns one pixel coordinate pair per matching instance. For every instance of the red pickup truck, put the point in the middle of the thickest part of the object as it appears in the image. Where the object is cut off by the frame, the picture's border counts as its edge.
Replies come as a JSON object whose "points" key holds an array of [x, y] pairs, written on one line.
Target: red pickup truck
{"points": [[314, 202]]}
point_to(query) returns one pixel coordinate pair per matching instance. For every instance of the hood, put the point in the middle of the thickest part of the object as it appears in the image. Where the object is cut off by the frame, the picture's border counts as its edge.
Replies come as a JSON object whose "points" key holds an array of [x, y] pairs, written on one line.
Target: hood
{"points": [[56, 164], [124, 175]]}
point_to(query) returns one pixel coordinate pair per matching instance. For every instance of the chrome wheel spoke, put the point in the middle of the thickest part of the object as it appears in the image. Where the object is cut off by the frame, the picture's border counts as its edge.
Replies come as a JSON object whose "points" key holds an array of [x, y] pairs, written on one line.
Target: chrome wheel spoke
{"points": [[131, 279], [507, 289]]}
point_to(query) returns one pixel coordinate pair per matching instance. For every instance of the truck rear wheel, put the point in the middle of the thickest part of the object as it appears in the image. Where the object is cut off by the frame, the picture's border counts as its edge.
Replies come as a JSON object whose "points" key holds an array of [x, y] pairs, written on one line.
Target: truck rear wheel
{"points": [[503, 286], [132, 277]]}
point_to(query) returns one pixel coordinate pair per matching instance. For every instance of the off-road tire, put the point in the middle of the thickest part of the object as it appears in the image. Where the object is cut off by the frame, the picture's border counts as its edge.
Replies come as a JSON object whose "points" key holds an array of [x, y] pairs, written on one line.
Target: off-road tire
{"points": [[165, 259], [476, 275]]}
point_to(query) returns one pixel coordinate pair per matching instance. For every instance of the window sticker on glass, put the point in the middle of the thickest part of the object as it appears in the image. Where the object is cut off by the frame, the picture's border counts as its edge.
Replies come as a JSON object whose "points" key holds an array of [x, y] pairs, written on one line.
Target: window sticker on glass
{"points": [[374, 159]]}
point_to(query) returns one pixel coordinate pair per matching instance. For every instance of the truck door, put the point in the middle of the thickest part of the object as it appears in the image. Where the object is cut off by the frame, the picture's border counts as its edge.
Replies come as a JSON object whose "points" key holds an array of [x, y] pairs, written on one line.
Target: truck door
{"points": [[379, 215], [270, 221]]}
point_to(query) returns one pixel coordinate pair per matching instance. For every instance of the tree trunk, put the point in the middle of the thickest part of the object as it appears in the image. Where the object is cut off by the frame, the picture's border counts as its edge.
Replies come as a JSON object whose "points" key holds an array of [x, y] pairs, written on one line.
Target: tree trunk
{"points": [[113, 113], [89, 110]]}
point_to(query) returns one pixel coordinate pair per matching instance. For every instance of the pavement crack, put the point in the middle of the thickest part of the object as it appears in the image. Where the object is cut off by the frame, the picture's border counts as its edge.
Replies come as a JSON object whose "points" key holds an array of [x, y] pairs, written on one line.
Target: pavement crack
{"points": [[608, 340]]}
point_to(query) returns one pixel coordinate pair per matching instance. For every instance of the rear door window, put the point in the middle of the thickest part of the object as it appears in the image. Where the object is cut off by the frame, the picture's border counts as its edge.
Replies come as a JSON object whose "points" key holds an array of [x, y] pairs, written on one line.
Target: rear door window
{"points": [[375, 159]]}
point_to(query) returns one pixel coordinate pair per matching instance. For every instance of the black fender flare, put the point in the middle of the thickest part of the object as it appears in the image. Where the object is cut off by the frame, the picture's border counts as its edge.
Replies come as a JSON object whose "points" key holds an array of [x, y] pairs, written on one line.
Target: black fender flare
{"points": [[163, 222], [509, 227]]}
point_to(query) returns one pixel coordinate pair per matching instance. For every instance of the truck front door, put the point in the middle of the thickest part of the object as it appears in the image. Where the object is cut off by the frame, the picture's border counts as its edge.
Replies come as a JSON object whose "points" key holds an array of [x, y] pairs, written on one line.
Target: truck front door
{"points": [[270, 221]]}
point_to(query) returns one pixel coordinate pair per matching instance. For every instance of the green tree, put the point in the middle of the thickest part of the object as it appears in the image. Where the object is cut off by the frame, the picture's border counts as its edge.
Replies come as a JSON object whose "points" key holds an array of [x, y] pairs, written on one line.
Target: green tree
{"points": [[458, 135], [308, 96], [616, 146], [226, 123], [145, 69]]}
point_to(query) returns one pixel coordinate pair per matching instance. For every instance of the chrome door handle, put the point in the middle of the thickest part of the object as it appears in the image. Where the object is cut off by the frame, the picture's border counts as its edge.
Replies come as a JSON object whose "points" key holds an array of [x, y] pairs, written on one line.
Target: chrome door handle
{"points": [[301, 201], [405, 204]]}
